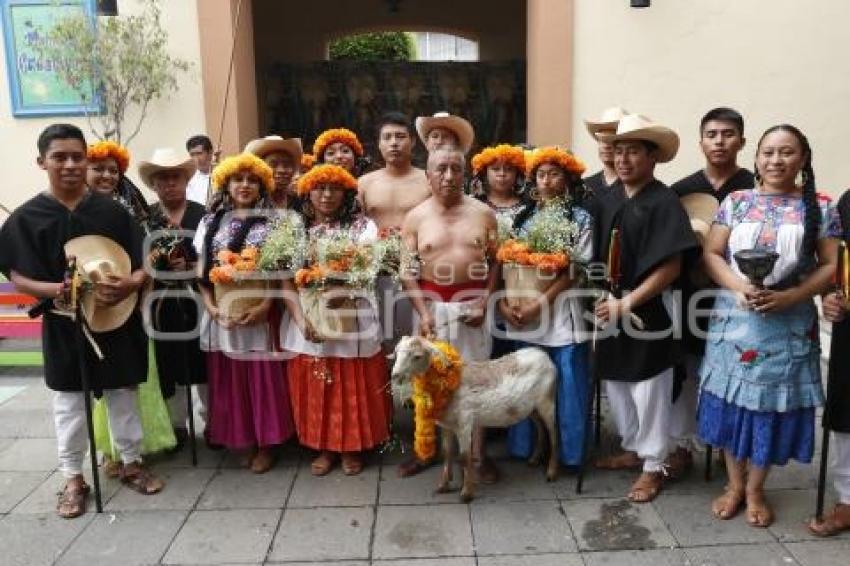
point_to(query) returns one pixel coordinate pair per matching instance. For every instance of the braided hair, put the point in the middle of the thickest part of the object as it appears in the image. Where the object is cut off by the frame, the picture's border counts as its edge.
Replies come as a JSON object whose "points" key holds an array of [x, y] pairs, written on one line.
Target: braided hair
{"points": [[812, 213], [222, 204]]}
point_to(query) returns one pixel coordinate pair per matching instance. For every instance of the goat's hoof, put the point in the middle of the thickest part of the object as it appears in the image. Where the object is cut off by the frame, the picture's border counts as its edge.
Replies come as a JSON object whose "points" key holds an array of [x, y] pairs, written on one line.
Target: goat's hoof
{"points": [[466, 497]]}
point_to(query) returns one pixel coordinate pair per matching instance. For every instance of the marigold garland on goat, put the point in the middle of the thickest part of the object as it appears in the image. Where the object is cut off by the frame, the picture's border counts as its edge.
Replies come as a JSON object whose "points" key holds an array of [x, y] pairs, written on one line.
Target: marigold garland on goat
{"points": [[432, 392]]}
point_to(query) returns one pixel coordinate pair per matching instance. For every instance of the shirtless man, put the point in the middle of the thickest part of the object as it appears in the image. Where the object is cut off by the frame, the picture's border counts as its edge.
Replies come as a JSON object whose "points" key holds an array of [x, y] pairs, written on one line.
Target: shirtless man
{"points": [[453, 236]]}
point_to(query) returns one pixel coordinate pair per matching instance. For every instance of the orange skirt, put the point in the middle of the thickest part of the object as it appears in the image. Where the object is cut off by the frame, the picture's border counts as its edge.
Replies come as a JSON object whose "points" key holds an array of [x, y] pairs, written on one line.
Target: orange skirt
{"points": [[340, 404]]}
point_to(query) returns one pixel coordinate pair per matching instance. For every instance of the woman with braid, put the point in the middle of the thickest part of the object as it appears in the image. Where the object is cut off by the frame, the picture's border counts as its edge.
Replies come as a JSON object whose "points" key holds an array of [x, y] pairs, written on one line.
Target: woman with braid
{"points": [[761, 378], [248, 397]]}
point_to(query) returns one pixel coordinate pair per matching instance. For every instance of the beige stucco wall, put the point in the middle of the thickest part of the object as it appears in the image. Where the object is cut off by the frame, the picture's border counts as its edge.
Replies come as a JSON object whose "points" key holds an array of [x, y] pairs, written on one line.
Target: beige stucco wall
{"points": [[169, 121], [773, 60]]}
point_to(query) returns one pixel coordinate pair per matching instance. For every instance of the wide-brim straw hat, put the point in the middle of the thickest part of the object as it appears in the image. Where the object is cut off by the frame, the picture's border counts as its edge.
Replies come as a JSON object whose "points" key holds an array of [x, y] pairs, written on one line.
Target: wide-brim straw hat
{"points": [[701, 209], [462, 129], [607, 122], [274, 144], [163, 159], [97, 257], [638, 127]]}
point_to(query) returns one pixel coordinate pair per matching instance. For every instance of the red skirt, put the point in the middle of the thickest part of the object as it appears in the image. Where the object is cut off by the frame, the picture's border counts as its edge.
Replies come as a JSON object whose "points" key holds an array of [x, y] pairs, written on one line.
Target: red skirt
{"points": [[249, 402], [340, 404]]}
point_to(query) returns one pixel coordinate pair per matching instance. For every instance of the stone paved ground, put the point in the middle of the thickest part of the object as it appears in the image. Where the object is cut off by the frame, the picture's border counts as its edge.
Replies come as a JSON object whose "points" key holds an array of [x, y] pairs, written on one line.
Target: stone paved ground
{"points": [[219, 514]]}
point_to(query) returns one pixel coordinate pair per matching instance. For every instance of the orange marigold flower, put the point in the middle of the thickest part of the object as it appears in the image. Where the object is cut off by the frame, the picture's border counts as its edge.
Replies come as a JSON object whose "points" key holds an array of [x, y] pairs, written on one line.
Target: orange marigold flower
{"points": [[108, 148], [323, 175], [250, 253], [245, 265], [334, 135], [307, 162], [225, 257], [557, 156], [243, 162], [506, 153]]}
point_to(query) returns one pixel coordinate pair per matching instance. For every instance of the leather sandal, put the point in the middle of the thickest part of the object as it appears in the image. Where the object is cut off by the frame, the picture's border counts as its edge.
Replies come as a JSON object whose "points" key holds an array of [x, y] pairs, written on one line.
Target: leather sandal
{"points": [[262, 462], [352, 463], [323, 464], [727, 505], [72, 501], [646, 488], [621, 461], [759, 514], [140, 479], [833, 523]]}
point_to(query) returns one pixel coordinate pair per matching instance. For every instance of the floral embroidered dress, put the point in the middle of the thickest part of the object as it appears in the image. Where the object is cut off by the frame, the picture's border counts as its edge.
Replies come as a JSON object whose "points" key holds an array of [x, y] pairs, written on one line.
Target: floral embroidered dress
{"points": [[760, 377]]}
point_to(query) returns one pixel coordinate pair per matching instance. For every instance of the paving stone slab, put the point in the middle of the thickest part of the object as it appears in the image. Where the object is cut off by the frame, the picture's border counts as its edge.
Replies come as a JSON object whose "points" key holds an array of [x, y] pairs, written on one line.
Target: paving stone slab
{"points": [[691, 521], [533, 527], [447, 561], [15, 486], [288, 455], [326, 563], [183, 487], [616, 524], [414, 490], [420, 531], [33, 540], [126, 538], [792, 509], [532, 560], [26, 423], [598, 484], [737, 554], [657, 557], [43, 498], [216, 537], [335, 489], [834, 552], [183, 459], [241, 489], [793, 475], [34, 396], [29, 455], [517, 482], [325, 533]]}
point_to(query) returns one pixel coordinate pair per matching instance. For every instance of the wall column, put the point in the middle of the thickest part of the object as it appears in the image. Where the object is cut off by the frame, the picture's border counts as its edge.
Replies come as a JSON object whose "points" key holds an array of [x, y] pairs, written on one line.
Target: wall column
{"points": [[217, 27], [549, 71]]}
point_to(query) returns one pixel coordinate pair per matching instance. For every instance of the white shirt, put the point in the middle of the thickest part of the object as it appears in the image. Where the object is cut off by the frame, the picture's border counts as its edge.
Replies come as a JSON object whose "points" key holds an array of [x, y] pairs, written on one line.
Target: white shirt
{"points": [[197, 188]]}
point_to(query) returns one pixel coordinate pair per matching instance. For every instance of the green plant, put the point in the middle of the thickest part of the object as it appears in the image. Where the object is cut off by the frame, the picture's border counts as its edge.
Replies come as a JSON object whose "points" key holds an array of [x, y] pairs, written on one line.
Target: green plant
{"points": [[122, 59], [378, 46]]}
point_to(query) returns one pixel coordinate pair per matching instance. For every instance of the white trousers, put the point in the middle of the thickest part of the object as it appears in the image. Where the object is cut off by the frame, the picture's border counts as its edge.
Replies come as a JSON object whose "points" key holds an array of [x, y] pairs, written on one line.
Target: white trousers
{"points": [[841, 465], [178, 409], [641, 412], [69, 414], [472, 343], [683, 413]]}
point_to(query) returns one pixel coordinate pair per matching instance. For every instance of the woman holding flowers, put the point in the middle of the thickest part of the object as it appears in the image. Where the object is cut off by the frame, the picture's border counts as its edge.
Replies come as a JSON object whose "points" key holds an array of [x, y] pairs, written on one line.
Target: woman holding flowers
{"points": [[108, 163], [339, 385], [249, 402], [341, 147], [761, 376], [553, 236]]}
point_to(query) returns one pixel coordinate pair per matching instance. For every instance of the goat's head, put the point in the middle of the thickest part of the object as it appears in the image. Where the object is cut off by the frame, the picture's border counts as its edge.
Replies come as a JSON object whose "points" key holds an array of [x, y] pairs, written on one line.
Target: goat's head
{"points": [[412, 356]]}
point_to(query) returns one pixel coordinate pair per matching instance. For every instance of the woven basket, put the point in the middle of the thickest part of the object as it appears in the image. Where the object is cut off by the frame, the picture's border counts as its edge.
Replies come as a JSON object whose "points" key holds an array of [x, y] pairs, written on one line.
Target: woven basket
{"points": [[524, 283], [332, 315], [235, 299]]}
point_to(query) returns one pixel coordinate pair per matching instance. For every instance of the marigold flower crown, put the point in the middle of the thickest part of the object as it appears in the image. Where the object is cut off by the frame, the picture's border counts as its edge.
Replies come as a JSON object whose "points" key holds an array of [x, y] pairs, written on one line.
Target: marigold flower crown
{"points": [[325, 174], [242, 162], [108, 148], [334, 135], [510, 154], [557, 156]]}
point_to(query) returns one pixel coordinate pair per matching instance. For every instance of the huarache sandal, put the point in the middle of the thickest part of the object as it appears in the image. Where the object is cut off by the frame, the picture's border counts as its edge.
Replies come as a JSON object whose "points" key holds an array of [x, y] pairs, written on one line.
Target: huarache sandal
{"points": [[621, 461], [836, 521], [322, 465], [352, 463], [727, 505], [263, 461], [140, 479], [112, 468], [72, 500], [646, 488]]}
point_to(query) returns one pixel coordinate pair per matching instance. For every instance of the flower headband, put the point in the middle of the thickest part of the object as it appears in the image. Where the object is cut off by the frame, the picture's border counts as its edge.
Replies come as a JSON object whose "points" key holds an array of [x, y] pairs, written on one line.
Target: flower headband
{"points": [[510, 154], [557, 156], [108, 148], [236, 163], [334, 135], [325, 175], [307, 162]]}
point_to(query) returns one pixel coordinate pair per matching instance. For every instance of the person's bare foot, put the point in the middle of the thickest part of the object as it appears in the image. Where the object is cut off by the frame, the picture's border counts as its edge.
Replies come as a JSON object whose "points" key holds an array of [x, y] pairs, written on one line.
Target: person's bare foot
{"points": [[646, 488], [727, 505], [263, 461], [323, 464], [352, 463], [759, 513], [834, 522]]}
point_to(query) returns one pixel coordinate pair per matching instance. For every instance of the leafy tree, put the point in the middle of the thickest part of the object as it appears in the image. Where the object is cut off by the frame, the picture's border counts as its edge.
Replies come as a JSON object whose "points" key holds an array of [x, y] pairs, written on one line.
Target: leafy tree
{"points": [[379, 46], [122, 59]]}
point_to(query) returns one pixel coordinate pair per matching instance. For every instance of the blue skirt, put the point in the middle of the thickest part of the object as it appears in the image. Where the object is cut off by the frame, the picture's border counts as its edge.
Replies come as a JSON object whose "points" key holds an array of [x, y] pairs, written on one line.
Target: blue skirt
{"points": [[573, 386], [763, 438]]}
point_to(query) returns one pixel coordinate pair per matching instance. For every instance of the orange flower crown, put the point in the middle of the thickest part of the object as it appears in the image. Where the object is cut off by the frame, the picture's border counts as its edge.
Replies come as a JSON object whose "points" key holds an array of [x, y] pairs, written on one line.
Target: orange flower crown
{"points": [[325, 174], [334, 135], [307, 162], [242, 162], [108, 148], [512, 155], [557, 156]]}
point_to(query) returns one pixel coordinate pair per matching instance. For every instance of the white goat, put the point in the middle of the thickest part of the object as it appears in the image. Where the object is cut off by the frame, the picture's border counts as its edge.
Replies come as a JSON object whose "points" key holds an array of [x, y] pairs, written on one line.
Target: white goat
{"points": [[494, 393]]}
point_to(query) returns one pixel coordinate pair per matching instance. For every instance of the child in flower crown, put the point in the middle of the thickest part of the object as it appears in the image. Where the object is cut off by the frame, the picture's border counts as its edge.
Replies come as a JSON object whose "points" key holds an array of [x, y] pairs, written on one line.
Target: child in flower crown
{"points": [[553, 321]]}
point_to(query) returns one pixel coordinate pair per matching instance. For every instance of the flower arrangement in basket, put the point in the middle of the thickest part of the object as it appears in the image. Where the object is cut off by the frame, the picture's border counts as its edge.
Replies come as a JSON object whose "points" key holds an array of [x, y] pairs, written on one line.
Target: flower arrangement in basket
{"points": [[285, 247], [532, 259], [388, 250], [237, 285], [338, 271]]}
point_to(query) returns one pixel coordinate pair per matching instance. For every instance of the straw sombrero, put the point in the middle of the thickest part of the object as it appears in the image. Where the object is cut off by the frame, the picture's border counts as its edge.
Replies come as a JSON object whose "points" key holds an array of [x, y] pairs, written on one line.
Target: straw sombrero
{"points": [[638, 127], [462, 129], [607, 122], [165, 158], [98, 257], [701, 209], [272, 144]]}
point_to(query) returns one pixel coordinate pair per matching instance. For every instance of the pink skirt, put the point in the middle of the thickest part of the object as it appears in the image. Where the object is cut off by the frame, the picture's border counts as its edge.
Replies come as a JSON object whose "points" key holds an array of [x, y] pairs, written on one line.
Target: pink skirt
{"points": [[340, 404], [248, 402]]}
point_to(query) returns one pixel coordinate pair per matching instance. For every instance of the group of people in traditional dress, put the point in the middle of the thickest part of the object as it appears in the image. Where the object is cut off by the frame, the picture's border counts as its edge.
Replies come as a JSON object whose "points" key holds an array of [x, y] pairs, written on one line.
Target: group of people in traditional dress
{"points": [[687, 343]]}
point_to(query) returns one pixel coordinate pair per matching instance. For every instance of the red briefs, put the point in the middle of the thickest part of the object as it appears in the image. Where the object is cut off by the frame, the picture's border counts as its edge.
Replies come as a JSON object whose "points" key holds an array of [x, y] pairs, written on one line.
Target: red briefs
{"points": [[447, 293]]}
